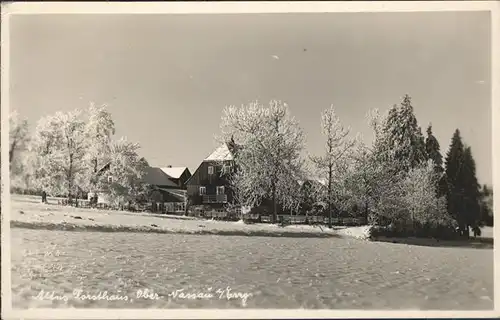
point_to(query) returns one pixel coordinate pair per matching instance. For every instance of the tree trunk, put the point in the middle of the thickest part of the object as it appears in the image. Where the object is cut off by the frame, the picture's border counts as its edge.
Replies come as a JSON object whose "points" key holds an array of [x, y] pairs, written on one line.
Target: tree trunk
{"points": [[330, 197], [366, 210], [11, 150], [70, 179], [275, 205], [366, 195], [93, 179], [275, 162]]}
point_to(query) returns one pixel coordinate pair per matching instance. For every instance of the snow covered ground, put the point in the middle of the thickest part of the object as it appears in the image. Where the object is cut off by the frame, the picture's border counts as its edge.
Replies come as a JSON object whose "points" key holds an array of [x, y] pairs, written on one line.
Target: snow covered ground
{"points": [[271, 272], [28, 212], [57, 268]]}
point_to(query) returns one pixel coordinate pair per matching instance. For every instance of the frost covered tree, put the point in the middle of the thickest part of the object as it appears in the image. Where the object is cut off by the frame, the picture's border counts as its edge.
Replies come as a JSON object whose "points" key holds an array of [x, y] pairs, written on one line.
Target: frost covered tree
{"points": [[18, 147], [376, 180], [268, 162], [99, 131], [18, 143], [331, 165], [123, 182], [71, 150], [363, 179], [312, 195], [18, 134], [59, 147], [398, 147], [401, 138], [242, 191], [425, 209], [45, 173]]}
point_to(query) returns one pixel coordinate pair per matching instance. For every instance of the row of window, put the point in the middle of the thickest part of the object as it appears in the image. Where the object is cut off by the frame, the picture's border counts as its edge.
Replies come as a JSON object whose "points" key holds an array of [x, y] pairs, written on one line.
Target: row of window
{"points": [[225, 169], [219, 190], [203, 190]]}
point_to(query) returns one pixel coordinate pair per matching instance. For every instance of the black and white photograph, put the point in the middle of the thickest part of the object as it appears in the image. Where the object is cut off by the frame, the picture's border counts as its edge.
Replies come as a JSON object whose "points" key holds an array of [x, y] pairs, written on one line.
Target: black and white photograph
{"points": [[314, 160]]}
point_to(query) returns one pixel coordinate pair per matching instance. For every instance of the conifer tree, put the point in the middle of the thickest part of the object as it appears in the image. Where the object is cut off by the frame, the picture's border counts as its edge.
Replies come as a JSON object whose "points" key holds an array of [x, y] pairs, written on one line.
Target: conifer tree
{"points": [[384, 130], [402, 137], [432, 149], [454, 174], [471, 190]]}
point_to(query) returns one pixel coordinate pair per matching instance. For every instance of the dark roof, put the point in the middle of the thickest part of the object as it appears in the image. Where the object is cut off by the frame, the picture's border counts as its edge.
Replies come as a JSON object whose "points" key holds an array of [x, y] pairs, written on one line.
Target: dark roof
{"points": [[156, 176], [104, 167], [178, 194], [175, 172]]}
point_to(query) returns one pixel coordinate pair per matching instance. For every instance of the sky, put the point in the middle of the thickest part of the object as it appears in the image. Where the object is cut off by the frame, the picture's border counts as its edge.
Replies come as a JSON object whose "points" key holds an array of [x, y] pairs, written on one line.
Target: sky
{"points": [[166, 78]]}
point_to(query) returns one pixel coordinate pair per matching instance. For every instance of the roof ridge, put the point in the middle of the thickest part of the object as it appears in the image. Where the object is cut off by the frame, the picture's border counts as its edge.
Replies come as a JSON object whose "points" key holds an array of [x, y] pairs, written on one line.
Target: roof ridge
{"points": [[222, 152]]}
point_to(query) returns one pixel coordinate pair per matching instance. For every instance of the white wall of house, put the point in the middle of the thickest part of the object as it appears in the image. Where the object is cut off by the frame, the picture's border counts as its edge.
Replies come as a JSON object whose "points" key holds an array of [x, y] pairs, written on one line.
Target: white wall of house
{"points": [[101, 197]]}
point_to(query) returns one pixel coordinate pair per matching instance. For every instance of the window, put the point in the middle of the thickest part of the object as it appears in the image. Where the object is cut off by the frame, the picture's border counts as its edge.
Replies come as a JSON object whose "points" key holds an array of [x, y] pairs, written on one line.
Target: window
{"points": [[110, 179], [210, 170], [179, 206], [203, 190], [220, 189]]}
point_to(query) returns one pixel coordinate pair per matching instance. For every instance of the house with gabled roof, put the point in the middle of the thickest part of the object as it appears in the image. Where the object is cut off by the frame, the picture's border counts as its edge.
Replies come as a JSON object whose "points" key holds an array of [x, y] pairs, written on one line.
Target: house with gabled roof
{"points": [[209, 184], [167, 186], [178, 175]]}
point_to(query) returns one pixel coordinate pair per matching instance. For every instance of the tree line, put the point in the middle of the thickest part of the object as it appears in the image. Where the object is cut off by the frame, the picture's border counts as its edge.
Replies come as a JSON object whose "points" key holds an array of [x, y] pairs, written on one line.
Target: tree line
{"points": [[400, 179], [72, 153]]}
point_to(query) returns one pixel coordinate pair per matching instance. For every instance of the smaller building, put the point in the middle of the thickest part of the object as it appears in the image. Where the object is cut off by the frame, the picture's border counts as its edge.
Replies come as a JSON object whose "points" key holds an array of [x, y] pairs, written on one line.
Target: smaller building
{"points": [[168, 192], [178, 175], [98, 196], [168, 187]]}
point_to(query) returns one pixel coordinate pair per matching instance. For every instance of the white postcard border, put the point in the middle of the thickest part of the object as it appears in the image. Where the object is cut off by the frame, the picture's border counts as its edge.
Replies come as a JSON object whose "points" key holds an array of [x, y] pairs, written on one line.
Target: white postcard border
{"points": [[234, 8]]}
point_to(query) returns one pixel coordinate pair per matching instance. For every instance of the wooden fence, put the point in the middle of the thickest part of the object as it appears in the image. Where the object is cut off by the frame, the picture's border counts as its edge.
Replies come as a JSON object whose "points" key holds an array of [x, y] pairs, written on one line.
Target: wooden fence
{"points": [[302, 219]]}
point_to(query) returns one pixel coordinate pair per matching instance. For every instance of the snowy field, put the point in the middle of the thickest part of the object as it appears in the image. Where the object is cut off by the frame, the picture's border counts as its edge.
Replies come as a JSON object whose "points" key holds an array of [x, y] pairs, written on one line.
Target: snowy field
{"points": [[267, 272], [28, 212], [230, 271]]}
